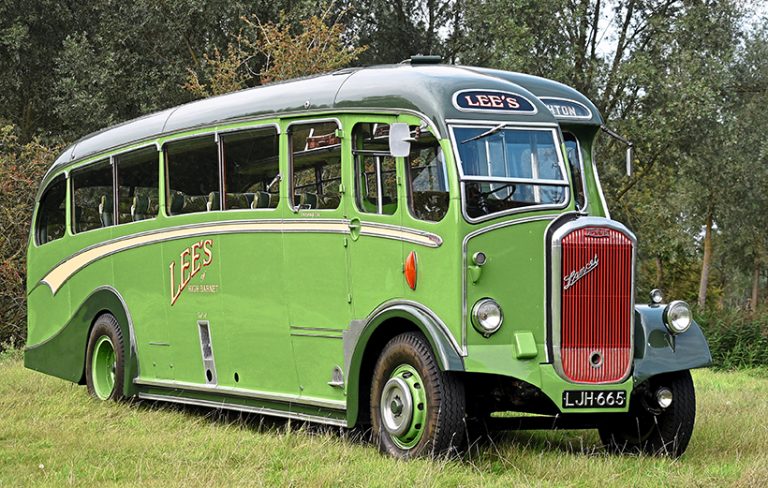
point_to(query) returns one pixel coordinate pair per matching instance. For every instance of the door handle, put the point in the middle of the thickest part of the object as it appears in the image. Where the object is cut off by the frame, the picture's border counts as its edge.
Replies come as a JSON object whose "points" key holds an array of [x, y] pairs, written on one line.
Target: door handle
{"points": [[354, 228]]}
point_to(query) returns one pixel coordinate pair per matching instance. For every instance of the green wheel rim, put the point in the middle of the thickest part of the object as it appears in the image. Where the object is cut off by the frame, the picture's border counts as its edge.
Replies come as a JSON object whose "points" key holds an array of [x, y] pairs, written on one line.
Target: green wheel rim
{"points": [[404, 406], [103, 368]]}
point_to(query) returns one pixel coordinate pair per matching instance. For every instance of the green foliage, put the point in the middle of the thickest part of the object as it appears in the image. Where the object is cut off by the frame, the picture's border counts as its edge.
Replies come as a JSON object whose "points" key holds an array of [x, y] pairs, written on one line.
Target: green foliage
{"points": [[735, 340], [289, 49], [22, 166]]}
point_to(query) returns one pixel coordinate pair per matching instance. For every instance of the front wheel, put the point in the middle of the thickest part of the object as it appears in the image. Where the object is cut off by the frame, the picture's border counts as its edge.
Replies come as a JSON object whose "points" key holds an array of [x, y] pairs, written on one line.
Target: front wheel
{"points": [[416, 409], [104, 366], [650, 427]]}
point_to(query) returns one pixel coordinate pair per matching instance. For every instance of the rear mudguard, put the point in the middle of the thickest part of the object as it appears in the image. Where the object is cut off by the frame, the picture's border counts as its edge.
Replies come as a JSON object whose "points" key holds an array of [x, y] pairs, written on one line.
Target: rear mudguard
{"points": [[658, 351]]}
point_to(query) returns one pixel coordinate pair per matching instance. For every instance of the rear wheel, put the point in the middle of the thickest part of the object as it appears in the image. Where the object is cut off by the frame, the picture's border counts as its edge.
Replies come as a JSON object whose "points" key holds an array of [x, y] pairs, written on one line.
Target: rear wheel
{"points": [[104, 366], [651, 428], [416, 409]]}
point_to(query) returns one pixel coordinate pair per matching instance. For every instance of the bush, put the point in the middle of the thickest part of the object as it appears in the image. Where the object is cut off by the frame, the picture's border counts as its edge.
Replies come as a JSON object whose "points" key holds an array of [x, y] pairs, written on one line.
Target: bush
{"points": [[21, 168], [736, 339]]}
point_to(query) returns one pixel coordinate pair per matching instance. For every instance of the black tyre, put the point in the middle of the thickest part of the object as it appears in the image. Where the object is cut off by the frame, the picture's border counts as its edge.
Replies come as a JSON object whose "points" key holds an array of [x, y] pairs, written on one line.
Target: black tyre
{"points": [[104, 363], [416, 409], [651, 429]]}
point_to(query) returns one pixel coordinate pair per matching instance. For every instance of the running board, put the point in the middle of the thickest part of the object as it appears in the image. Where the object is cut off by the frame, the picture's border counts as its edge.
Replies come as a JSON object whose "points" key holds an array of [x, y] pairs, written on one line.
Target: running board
{"points": [[243, 408]]}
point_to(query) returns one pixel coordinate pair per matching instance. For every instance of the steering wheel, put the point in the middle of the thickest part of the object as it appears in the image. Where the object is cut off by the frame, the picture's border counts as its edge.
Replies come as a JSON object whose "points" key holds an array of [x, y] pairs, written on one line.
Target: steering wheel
{"points": [[484, 194]]}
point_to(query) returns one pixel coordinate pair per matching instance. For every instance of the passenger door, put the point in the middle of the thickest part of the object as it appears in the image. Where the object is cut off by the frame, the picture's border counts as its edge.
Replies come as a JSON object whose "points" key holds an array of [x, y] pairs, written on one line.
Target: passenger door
{"points": [[375, 211], [315, 263]]}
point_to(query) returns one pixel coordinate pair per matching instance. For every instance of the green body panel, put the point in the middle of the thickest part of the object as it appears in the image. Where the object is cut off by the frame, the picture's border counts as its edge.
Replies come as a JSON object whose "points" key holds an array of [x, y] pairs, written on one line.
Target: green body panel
{"points": [[298, 304], [63, 354], [657, 351]]}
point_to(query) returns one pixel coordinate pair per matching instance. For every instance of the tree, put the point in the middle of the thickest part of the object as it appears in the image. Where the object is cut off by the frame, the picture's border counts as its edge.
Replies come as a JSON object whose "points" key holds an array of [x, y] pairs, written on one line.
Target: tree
{"points": [[286, 50]]}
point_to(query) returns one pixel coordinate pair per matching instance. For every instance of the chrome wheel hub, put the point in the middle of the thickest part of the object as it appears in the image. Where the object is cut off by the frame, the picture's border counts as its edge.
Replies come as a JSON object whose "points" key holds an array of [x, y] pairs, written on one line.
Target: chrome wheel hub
{"points": [[396, 407]]}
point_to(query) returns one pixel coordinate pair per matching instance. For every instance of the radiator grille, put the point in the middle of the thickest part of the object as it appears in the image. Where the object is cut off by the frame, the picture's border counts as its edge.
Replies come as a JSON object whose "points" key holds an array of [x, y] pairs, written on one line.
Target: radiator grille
{"points": [[596, 305]]}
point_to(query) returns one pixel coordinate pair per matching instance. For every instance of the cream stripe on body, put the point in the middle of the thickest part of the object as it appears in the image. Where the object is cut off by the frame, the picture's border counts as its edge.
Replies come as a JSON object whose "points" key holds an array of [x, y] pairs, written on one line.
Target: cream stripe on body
{"points": [[62, 272]]}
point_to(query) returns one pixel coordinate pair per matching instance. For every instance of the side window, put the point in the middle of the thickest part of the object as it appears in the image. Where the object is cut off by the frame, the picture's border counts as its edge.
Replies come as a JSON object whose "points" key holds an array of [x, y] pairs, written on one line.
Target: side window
{"points": [[51, 213], [315, 165], [375, 170], [137, 185], [427, 178], [93, 197], [251, 169], [193, 176], [574, 160]]}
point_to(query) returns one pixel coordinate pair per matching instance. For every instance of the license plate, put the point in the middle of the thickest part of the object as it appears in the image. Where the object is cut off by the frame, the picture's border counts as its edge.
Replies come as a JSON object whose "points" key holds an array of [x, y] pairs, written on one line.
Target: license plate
{"points": [[594, 399]]}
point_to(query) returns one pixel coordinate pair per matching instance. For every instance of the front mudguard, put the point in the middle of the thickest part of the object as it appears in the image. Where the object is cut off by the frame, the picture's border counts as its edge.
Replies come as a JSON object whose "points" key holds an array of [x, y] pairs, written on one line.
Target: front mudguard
{"points": [[658, 351]]}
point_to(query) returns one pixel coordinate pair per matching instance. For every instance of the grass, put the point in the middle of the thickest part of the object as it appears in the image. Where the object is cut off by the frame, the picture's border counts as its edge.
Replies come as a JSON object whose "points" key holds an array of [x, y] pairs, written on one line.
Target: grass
{"points": [[52, 433]]}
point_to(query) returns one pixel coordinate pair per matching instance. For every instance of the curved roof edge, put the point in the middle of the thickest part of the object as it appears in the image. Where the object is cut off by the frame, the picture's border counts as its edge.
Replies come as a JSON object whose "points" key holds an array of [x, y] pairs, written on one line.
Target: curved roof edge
{"points": [[426, 89]]}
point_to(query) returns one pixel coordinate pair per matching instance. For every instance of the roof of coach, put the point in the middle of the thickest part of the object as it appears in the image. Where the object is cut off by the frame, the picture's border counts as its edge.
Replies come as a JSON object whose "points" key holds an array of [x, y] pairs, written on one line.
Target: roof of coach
{"points": [[430, 90]]}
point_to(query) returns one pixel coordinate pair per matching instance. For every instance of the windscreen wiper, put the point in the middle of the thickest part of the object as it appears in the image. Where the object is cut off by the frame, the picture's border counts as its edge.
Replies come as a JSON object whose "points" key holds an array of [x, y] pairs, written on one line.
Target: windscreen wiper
{"points": [[485, 134]]}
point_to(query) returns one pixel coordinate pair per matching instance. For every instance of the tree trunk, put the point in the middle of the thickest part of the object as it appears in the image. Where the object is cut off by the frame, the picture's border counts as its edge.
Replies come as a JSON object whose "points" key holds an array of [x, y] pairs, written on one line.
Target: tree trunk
{"points": [[659, 273], [707, 259], [755, 286]]}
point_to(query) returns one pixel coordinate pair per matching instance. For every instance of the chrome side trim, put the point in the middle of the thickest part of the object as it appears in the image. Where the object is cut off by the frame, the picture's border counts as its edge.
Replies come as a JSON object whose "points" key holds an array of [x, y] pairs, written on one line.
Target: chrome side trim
{"points": [[465, 263], [320, 336], [242, 392], [244, 408], [555, 280], [60, 274]]}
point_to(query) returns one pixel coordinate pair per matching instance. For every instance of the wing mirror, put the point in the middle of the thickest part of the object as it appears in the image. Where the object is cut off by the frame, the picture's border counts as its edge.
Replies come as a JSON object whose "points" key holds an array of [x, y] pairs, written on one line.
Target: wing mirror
{"points": [[400, 140]]}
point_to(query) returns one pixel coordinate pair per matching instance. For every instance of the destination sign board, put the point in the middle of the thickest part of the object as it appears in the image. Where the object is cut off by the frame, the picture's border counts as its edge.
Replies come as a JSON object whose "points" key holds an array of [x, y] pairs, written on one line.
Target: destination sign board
{"points": [[562, 108], [492, 101]]}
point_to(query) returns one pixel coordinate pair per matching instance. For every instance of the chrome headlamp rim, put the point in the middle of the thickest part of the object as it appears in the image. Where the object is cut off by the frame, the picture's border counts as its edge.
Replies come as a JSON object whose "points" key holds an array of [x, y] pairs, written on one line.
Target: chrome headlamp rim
{"points": [[477, 322], [670, 322]]}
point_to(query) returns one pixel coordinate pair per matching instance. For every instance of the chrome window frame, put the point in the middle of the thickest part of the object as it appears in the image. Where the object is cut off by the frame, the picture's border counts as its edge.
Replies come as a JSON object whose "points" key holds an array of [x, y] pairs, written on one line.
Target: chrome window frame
{"points": [[408, 180], [220, 134], [555, 278], [110, 162], [339, 126], [557, 137], [116, 159], [583, 171]]}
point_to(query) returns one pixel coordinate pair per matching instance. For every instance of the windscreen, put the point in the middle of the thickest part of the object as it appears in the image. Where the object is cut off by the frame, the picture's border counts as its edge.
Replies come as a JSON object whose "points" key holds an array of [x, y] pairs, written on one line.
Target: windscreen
{"points": [[506, 168]]}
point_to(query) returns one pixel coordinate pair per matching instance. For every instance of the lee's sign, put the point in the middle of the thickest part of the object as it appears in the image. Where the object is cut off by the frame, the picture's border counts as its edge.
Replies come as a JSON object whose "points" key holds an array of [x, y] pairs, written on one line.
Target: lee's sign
{"points": [[492, 101], [192, 261]]}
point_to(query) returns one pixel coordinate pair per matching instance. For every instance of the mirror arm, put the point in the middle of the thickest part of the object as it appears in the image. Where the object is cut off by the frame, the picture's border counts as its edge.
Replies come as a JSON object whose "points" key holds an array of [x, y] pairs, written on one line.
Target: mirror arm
{"points": [[630, 146]]}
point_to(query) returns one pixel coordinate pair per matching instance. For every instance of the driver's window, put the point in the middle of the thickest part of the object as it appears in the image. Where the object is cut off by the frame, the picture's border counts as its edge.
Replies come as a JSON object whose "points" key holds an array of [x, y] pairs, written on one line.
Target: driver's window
{"points": [[427, 178], [251, 169]]}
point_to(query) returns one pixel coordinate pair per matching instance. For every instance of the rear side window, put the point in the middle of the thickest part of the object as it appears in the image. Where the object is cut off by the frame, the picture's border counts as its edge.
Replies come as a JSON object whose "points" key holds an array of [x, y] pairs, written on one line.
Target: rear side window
{"points": [[51, 214], [137, 185], [375, 170], [93, 197], [427, 179], [193, 176], [315, 165], [251, 169]]}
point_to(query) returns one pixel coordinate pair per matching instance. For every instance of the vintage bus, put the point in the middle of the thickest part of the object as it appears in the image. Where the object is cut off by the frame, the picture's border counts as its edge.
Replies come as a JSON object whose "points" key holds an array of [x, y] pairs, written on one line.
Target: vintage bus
{"points": [[410, 247]]}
